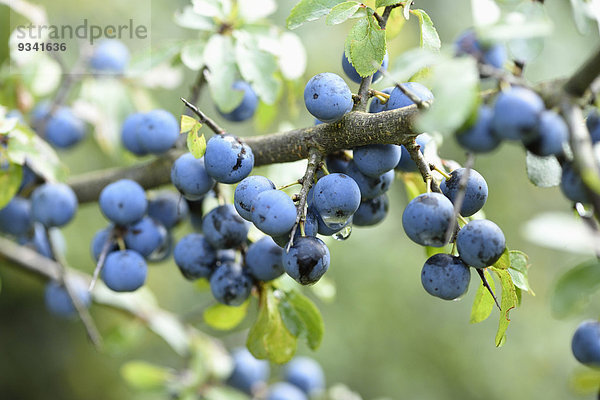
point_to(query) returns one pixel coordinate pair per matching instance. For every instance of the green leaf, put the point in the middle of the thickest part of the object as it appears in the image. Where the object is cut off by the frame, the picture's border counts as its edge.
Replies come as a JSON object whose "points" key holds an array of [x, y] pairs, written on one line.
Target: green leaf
{"points": [[455, 85], [257, 67], [219, 55], [123, 337], [560, 231], [383, 3], [543, 171], [192, 55], [309, 10], [222, 317], [10, 180], [412, 61], [504, 260], [145, 376], [512, 26], [187, 123], [484, 302], [509, 301], [302, 318], [196, 144], [573, 289], [585, 381], [269, 338], [413, 184], [429, 36], [188, 18], [519, 270], [342, 12], [223, 393], [365, 46]]}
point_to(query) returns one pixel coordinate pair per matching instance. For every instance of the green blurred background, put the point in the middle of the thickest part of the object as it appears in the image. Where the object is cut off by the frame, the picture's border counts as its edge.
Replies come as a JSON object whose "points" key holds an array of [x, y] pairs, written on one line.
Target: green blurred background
{"points": [[385, 336]]}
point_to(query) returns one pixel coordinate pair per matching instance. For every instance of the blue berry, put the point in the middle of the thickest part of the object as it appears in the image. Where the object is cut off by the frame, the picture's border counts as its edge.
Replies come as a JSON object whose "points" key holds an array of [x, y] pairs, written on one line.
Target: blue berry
{"points": [[376, 159], [371, 211], [263, 260], [572, 185], [354, 76], [224, 228], [445, 276], [110, 56], [337, 163], [230, 284], [593, 124], [53, 204], [273, 212], [370, 187], [157, 132], [479, 137], [327, 97], [40, 241], [29, 178], [475, 193], [145, 236], [189, 176], [376, 106], [426, 219], [195, 257], [227, 159], [552, 135], [398, 99], [467, 43], [63, 129], [586, 343], [124, 271], [225, 256], [516, 114], [99, 241], [123, 202], [58, 301], [285, 391], [168, 208], [248, 372], [246, 109], [15, 217], [480, 243], [307, 260], [406, 163], [305, 373], [336, 197], [246, 191], [129, 134]]}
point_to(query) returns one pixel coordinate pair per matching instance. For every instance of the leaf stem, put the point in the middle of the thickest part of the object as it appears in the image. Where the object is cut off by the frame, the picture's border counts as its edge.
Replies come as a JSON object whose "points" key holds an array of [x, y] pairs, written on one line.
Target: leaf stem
{"points": [[204, 119]]}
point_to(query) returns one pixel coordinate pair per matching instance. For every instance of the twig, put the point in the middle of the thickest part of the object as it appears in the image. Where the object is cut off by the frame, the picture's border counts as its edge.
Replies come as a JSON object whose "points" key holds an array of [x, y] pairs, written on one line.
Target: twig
{"points": [[487, 286], [413, 149], [314, 159], [421, 104], [460, 196], [588, 219], [102, 257], [585, 75], [204, 119], [360, 103], [387, 11]]}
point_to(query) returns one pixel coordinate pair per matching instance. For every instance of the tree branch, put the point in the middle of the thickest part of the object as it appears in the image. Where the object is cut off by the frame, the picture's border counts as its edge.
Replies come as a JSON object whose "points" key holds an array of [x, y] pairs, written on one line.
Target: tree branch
{"points": [[203, 118], [582, 79]]}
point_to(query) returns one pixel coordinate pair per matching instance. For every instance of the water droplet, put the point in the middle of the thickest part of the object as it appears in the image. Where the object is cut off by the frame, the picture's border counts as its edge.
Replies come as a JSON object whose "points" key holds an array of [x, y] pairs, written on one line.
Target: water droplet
{"points": [[344, 233], [333, 221]]}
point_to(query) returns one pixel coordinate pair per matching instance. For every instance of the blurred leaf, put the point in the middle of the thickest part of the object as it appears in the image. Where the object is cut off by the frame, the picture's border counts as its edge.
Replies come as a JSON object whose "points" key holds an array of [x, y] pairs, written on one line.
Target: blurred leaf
{"points": [[171, 329], [196, 144], [414, 185], [212, 8], [519, 270], [224, 393], [455, 85], [257, 67], [543, 171], [7, 125], [188, 18], [325, 289], [219, 55], [214, 358], [504, 260], [269, 338], [192, 55], [411, 62], [342, 12], [509, 301], [395, 23], [265, 115], [429, 36], [222, 317], [574, 288], [123, 337], [585, 381], [383, 3], [484, 302], [10, 180], [145, 376], [302, 318], [563, 232], [253, 10], [292, 56], [523, 24], [366, 42], [485, 12], [309, 10]]}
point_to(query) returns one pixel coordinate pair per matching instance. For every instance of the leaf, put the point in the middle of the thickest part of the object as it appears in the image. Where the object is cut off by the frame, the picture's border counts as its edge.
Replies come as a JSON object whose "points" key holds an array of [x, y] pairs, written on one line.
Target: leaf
{"points": [[188, 18], [192, 55], [563, 232], [145, 376], [528, 22], [223, 393], [485, 12], [219, 55], [292, 56], [365, 46], [222, 317], [309, 10], [504, 260], [395, 24], [10, 180], [543, 171], [413, 184], [187, 123], [269, 338], [519, 270], [257, 67], [483, 304], [383, 3], [342, 12], [509, 301], [573, 289], [412, 61], [196, 144], [455, 85], [302, 318], [585, 381], [429, 36], [253, 10]]}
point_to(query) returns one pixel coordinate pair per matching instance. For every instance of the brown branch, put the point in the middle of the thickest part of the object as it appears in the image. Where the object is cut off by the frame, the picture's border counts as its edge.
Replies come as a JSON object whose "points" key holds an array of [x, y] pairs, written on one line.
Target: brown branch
{"points": [[414, 150], [362, 98], [581, 80], [204, 119]]}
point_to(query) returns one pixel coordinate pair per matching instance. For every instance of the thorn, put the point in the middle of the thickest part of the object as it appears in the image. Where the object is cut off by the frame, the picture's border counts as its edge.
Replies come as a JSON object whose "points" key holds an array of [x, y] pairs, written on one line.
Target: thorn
{"points": [[487, 286]]}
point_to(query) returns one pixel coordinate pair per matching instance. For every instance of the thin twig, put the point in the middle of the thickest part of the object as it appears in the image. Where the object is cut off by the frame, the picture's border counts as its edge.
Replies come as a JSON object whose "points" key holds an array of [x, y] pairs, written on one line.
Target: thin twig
{"points": [[487, 286], [204, 119], [360, 102], [588, 218], [108, 243], [314, 159], [585, 75], [415, 153], [460, 196]]}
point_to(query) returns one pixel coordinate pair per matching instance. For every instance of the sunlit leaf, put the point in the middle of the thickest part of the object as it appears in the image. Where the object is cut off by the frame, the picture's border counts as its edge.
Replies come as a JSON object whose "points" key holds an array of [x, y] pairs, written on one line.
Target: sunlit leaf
{"points": [[309, 10], [222, 317], [219, 55], [483, 304], [508, 302], [543, 171], [365, 46], [342, 12], [142, 375], [10, 180], [429, 36]]}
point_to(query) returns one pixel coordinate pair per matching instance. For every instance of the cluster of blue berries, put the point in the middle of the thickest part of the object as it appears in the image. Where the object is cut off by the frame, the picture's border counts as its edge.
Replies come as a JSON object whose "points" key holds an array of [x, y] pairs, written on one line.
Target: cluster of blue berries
{"points": [[153, 132], [303, 378]]}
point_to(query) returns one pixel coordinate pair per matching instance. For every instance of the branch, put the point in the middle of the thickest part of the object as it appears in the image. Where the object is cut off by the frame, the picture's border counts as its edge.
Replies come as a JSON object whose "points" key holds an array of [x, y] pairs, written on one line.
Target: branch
{"points": [[354, 129], [204, 119], [582, 79]]}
